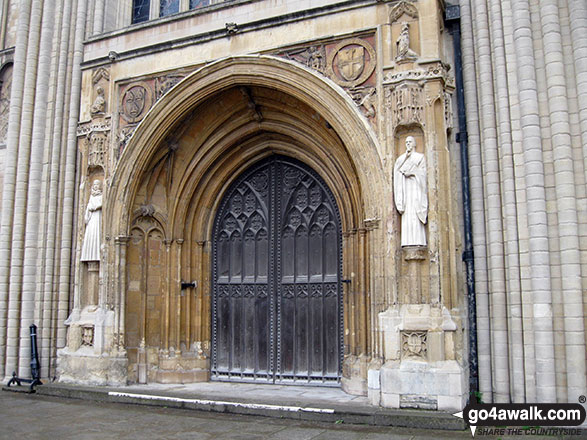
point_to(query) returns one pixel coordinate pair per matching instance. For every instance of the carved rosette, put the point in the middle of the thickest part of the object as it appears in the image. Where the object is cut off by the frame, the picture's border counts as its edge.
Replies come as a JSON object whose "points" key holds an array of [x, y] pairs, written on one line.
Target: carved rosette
{"points": [[414, 345]]}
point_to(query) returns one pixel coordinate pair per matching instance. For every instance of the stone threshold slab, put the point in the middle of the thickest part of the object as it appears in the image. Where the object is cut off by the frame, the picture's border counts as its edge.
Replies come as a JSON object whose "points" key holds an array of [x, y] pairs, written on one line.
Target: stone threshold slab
{"points": [[347, 412]]}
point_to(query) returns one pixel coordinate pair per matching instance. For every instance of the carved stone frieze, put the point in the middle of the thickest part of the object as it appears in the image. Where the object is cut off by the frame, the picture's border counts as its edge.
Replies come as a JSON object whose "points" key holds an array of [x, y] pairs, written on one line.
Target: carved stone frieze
{"points": [[86, 128], [414, 345], [406, 103], [164, 83], [436, 70], [313, 57]]}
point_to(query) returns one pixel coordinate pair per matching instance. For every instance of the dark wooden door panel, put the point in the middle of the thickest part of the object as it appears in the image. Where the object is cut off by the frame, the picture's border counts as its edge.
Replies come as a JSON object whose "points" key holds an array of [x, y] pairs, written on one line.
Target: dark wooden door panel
{"points": [[277, 305]]}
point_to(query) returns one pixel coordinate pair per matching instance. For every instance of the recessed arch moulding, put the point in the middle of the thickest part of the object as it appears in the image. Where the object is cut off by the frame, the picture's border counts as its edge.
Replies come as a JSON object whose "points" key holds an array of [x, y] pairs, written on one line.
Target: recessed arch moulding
{"points": [[165, 190]]}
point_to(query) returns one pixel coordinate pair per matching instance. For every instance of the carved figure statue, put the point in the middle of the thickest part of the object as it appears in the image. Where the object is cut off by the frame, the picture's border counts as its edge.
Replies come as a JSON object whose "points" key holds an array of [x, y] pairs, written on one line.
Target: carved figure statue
{"points": [[93, 219], [99, 104], [404, 53], [411, 195]]}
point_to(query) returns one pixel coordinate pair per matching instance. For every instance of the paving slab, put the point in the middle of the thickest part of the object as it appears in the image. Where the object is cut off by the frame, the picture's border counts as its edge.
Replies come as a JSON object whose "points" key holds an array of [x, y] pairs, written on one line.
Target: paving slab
{"points": [[330, 405]]}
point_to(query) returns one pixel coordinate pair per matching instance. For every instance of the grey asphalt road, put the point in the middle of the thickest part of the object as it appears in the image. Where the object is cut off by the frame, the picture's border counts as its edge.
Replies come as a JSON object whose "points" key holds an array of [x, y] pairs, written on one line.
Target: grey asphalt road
{"points": [[25, 416]]}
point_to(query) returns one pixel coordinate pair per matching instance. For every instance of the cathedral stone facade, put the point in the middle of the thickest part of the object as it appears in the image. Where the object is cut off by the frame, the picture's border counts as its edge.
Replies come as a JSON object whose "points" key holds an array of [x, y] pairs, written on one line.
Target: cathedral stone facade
{"points": [[387, 196]]}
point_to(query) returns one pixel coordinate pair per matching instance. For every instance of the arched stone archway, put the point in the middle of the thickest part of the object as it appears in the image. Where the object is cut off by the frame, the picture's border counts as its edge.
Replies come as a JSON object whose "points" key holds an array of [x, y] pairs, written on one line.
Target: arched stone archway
{"points": [[171, 177]]}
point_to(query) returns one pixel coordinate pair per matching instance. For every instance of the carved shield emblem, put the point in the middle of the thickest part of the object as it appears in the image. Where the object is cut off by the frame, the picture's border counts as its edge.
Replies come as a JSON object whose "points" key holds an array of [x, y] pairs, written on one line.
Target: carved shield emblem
{"points": [[134, 101], [414, 343], [351, 62]]}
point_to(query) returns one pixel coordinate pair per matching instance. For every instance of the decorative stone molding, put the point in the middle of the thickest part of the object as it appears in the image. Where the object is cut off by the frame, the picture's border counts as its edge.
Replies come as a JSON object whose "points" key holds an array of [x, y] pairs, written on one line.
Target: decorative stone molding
{"points": [[403, 7], [436, 70], [85, 128], [371, 223], [231, 28], [448, 114], [99, 74], [351, 62]]}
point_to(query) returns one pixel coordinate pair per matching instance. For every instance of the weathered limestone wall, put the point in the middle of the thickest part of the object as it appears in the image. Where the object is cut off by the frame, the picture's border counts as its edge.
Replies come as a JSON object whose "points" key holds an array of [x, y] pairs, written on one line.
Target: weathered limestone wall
{"points": [[39, 181], [523, 68], [152, 164]]}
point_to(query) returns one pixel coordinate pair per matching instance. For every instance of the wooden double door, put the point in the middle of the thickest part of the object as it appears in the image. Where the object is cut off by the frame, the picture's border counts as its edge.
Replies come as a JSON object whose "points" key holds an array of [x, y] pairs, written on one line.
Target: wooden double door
{"points": [[276, 278]]}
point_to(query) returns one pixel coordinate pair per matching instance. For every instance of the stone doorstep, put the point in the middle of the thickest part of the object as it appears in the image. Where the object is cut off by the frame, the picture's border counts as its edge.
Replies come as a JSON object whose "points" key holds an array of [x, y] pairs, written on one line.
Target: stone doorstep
{"points": [[340, 413]]}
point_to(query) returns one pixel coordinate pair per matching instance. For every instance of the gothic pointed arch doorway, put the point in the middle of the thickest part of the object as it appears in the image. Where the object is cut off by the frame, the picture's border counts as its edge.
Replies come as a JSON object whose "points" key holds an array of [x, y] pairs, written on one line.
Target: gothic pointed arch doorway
{"points": [[276, 278]]}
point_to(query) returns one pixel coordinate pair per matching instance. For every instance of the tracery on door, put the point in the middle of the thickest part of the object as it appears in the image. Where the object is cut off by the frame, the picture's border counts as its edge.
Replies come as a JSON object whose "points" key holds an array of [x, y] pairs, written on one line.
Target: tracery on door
{"points": [[276, 278]]}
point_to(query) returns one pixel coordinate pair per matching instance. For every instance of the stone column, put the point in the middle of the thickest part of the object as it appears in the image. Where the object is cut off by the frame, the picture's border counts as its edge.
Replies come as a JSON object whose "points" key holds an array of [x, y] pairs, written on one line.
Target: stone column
{"points": [[477, 204], [536, 200], [566, 198], [9, 336]]}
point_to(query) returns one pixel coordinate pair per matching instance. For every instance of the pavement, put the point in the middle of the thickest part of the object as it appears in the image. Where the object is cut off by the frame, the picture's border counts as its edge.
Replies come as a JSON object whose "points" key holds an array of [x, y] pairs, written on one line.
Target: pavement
{"points": [[210, 411]]}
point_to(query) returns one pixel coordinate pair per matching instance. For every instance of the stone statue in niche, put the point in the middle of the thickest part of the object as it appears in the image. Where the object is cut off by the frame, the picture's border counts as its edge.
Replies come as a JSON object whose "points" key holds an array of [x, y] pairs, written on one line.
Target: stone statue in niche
{"points": [[404, 53], [410, 194], [93, 219], [99, 105]]}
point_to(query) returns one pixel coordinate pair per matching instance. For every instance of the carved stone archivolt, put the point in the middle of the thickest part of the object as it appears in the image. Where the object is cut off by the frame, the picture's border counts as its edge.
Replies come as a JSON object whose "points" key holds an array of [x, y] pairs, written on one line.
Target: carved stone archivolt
{"points": [[351, 62]]}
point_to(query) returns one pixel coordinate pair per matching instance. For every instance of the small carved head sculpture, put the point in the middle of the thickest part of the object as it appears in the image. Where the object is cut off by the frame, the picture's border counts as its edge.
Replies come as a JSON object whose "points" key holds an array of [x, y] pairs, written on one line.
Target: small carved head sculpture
{"points": [[97, 187], [410, 144]]}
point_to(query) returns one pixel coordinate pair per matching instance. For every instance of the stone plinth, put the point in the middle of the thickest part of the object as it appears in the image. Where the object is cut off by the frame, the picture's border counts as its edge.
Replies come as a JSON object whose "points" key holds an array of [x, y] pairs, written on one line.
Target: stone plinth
{"points": [[90, 356], [85, 367], [420, 370]]}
